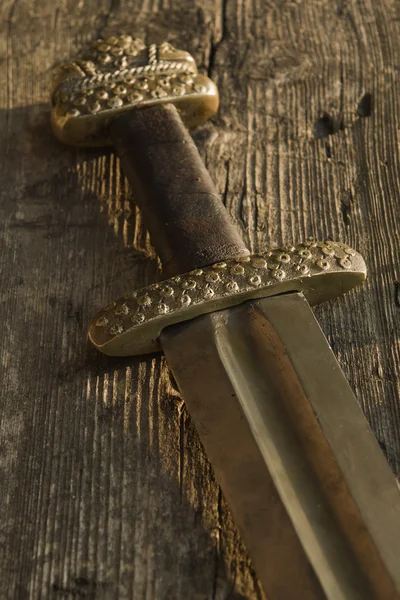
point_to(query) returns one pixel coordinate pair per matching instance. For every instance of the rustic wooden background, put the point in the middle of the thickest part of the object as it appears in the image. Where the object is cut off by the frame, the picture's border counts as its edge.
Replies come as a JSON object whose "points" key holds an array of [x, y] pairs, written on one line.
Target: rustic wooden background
{"points": [[105, 490]]}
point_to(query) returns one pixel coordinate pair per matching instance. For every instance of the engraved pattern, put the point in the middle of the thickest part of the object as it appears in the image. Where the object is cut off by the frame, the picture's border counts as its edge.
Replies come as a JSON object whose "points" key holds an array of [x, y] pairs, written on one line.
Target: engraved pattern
{"points": [[121, 71], [132, 324]]}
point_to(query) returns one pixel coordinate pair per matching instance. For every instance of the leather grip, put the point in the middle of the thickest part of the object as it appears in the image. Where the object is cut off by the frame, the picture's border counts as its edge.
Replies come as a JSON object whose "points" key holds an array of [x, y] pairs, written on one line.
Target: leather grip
{"points": [[187, 221]]}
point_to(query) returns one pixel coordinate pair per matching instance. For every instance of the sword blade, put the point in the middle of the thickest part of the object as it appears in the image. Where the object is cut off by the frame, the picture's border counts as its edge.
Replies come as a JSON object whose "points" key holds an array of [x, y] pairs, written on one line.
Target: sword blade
{"points": [[309, 488]]}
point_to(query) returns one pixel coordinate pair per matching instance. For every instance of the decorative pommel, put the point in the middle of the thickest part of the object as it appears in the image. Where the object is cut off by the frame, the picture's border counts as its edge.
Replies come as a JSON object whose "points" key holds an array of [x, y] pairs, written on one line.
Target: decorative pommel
{"points": [[121, 74], [132, 324]]}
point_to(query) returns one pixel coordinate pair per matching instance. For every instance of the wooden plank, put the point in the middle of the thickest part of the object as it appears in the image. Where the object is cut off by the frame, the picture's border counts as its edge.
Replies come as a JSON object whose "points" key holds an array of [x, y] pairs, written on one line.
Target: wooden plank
{"points": [[106, 492]]}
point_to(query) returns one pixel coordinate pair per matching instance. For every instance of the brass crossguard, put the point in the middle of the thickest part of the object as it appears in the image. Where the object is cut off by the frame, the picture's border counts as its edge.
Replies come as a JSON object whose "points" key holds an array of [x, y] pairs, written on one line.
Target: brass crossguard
{"points": [[132, 324], [119, 74]]}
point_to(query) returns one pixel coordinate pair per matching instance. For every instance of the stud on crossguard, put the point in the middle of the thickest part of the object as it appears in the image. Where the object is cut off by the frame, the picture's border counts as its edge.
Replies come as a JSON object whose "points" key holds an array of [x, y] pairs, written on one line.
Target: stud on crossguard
{"points": [[313, 496]]}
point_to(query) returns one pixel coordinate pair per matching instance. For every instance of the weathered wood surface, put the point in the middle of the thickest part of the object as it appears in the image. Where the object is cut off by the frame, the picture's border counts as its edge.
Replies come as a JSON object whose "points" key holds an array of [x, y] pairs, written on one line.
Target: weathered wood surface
{"points": [[105, 490]]}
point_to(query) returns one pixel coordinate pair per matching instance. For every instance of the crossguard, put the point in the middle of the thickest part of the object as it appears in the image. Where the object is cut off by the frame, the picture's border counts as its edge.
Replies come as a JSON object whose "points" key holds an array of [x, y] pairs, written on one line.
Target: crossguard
{"points": [[132, 324], [120, 74]]}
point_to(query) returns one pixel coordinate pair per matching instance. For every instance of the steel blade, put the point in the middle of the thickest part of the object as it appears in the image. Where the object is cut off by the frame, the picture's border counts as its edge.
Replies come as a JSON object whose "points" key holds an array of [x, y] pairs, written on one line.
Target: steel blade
{"points": [[309, 488]]}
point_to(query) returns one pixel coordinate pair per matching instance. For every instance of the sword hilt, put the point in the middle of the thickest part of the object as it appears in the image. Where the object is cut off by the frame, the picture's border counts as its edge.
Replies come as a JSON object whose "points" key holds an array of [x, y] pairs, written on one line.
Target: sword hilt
{"points": [[140, 99]]}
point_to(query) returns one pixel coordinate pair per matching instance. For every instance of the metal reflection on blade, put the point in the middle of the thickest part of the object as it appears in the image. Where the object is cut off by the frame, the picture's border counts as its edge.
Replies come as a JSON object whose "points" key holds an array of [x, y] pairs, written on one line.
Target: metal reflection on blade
{"points": [[310, 490]]}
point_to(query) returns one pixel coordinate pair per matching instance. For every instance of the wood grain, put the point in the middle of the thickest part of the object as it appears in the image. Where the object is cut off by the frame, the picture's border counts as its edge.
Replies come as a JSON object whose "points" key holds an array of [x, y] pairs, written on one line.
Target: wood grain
{"points": [[105, 490]]}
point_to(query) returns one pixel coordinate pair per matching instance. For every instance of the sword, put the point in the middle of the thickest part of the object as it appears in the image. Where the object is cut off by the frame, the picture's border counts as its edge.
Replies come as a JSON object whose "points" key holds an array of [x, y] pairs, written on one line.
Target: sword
{"points": [[310, 491]]}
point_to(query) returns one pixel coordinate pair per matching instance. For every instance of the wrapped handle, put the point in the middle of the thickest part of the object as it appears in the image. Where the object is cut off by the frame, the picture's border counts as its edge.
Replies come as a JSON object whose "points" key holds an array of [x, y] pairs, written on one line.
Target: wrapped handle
{"points": [[188, 223]]}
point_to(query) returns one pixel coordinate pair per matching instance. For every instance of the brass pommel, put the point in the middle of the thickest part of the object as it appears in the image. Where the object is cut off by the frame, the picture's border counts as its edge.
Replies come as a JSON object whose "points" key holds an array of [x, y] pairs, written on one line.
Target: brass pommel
{"points": [[121, 74]]}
